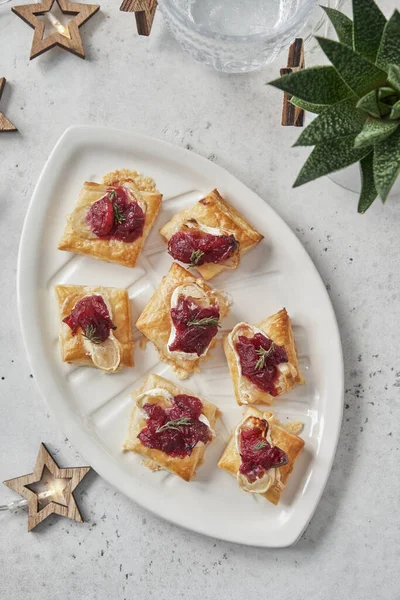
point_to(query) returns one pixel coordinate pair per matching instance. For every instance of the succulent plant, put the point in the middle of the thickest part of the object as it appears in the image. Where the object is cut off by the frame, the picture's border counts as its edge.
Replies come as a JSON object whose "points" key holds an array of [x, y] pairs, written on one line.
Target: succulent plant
{"points": [[356, 99]]}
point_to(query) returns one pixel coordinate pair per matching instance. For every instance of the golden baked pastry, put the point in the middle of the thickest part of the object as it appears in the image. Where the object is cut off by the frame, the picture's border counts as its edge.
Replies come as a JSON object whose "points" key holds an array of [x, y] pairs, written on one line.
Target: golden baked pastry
{"points": [[215, 216], [156, 323], [271, 482], [124, 249], [284, 375], [157, 390], [92, 324]]}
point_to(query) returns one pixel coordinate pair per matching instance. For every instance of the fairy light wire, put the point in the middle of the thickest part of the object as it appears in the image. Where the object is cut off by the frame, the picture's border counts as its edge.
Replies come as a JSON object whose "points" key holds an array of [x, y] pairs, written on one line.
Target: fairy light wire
{"points": [[19, 504]]}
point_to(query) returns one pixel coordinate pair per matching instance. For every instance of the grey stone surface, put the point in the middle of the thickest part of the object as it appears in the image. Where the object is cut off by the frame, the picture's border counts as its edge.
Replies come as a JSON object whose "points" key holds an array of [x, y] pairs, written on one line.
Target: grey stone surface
{"points": [[351, 547]]}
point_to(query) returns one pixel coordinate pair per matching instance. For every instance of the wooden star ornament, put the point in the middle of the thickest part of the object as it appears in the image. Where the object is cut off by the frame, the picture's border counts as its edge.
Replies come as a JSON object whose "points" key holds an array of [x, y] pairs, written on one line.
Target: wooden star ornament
{"points": [[5, 124], [144, 10], [71, 40], [58, 484]]}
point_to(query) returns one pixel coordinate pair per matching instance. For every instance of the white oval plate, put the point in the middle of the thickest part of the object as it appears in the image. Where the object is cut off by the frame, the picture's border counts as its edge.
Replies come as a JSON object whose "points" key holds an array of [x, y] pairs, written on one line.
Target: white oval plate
{"points": [[93, 408]]}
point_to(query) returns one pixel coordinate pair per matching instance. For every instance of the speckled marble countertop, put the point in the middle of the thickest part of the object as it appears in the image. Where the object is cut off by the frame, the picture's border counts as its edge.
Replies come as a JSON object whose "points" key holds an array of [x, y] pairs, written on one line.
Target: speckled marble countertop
{"points": [[350, 548]]}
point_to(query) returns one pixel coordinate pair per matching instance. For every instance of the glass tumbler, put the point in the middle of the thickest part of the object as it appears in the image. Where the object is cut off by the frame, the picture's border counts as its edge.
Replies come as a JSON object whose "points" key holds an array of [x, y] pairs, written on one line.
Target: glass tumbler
{"points": [[235, 36]]}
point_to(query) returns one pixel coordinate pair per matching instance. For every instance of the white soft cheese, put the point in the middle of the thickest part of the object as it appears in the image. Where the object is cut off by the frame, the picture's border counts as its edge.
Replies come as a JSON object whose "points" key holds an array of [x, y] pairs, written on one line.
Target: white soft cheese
{"points": [[211, 230], [106, 356], [191, 290], [154, 393], [245, 386], [136, 195], [261, 485]]}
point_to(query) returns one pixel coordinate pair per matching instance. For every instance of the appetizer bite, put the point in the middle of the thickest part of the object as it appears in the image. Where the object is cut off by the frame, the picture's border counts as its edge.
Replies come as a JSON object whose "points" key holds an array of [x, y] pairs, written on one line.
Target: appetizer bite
{"points": [[261, 454], [262, 359], [170, 427], [95, 327], [112, 220], [210, 236], [182, 319]]}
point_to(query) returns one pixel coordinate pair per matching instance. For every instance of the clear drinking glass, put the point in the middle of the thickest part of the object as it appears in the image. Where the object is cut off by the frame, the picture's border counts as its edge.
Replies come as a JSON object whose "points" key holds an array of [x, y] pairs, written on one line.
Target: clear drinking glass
{"points": [[236, 35]]}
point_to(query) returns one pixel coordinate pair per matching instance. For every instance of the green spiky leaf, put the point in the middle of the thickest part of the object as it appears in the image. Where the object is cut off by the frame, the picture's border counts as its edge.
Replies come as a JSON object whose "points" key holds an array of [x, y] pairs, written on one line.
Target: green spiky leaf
{"points": [[386, 93], [308, 106], [369, 104], [374, 130], [369, 23], [357, 72], [329, 157], [387, 163], [395, 112], [394, 76], [368, 189], [385, 109], [341, 119], [389, 49], [342, 25], [319, 85], [356, 100]]}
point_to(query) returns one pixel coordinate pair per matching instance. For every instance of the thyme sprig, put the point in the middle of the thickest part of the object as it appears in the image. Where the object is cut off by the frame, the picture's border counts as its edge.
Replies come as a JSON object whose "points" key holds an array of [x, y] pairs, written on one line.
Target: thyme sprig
{"points": [[260, 445], [195, 258], [205, 322], [174, 424], [263, 354], [118, 214], [90, 334]]}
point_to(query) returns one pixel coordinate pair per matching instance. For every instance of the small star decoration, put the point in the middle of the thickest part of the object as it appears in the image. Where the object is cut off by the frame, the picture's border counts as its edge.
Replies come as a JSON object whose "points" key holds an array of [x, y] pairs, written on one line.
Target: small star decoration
{"points": [[144, 12], [57, 483], [5, 124], [82, 13]]}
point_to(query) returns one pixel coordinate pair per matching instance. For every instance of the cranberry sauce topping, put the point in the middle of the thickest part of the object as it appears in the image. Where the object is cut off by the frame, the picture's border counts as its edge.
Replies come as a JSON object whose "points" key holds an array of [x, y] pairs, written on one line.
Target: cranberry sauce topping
{"points": [[259, 357], [257, 454], [116, 216], [195, 326], [175, 430], [92, 316], [195, 247]]}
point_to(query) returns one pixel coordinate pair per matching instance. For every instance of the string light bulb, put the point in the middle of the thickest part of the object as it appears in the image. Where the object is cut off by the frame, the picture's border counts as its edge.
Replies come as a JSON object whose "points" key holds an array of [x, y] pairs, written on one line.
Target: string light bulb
{"points": [[58, 26]]}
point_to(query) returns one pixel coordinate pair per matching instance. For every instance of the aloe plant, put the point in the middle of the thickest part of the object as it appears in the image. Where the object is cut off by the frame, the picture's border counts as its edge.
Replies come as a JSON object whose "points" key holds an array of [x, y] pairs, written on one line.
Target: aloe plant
{"points": [[356, 99]]}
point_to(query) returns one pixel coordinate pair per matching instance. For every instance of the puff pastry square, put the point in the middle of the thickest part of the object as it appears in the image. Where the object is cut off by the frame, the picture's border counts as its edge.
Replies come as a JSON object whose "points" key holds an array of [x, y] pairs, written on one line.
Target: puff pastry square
{"points": [[213, 211], [72, 347], [281, 437], [155, 320], [156, 459], [278, 328], [111, 250]]}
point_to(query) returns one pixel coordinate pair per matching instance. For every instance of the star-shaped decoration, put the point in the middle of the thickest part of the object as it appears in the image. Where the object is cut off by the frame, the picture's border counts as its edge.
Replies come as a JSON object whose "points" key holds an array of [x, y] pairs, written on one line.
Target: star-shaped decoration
{"points": [[5, 124], [72, 41], [144, 12], [49, 489]]}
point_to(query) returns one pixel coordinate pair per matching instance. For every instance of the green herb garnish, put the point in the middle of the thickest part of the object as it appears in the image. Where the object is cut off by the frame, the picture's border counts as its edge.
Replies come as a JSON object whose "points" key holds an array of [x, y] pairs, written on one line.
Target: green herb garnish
{"points": [[118, 214], [112, 195], [174, 424], [90, 334], [195, 258], [263, 354], [260, 445], [206, 322]]}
